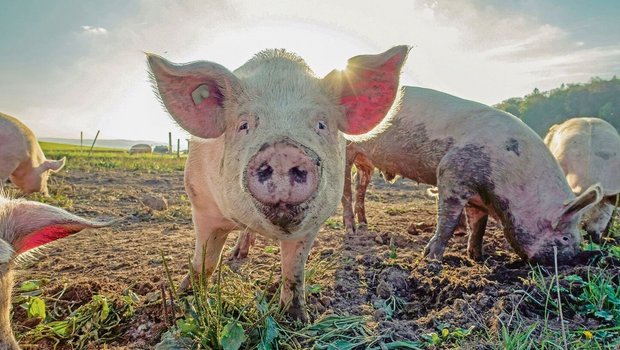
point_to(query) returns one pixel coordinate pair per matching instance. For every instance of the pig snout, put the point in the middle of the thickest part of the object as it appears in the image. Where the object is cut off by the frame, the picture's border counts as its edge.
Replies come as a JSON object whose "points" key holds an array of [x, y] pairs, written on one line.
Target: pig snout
{"points": [[281, 176]]}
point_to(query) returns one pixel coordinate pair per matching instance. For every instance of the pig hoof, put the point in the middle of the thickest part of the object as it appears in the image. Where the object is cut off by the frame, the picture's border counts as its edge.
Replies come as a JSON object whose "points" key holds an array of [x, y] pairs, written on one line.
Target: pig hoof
{"points": [[432, 252], [186, 284], [238, 254], [474, 254], [350, 230], [299, 314]]}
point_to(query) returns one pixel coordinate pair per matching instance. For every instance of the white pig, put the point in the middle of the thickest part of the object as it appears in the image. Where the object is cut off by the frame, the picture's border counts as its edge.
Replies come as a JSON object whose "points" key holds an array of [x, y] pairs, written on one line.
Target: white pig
{"points": [[588, 150], [268, 148], [21, 157], [25, 225], [486, 162]]}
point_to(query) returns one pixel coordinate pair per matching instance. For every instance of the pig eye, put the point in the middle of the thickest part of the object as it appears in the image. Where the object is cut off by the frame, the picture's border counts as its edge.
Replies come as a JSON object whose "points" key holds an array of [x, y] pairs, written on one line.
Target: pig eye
{"points": [[243, 126], [321, 127]]}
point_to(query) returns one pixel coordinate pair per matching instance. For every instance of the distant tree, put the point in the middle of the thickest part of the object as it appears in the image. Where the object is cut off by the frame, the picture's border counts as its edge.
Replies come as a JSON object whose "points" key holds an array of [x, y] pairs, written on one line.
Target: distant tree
{"points": [[598, 98]]}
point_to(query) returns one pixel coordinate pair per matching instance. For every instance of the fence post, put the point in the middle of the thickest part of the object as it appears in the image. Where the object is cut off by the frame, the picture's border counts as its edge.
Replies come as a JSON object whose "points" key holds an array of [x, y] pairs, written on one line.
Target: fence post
{"points": [[93, 145], [178, 148], [169, 142]]}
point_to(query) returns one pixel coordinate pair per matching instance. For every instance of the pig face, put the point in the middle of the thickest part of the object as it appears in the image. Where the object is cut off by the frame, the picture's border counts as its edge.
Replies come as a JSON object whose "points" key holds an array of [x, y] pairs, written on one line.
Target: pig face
{"points": [[281, 127], [34, 179], [563, 232]]}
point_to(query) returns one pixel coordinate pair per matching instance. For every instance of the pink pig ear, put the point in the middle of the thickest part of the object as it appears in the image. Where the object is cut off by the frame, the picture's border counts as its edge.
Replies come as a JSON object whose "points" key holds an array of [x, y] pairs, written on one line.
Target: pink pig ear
{"points": [[55, 165], [194, 93], [367, 87], [584, 201], [32, 224]]}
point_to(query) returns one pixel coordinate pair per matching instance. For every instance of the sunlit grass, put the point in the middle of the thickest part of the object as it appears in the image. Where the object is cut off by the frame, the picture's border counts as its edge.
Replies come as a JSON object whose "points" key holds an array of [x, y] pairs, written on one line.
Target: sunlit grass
{"points": [[111, 159]]}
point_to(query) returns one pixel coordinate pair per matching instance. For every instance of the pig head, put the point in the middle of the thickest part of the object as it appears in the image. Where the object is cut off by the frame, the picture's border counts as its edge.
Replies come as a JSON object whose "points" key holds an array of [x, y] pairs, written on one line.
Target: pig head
{"points": [[25, 225], [268, 147]]}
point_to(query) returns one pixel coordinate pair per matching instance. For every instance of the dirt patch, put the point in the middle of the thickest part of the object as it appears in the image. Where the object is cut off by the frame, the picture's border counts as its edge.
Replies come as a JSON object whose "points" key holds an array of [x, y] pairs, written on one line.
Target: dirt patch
{"points": [[377, 272]]}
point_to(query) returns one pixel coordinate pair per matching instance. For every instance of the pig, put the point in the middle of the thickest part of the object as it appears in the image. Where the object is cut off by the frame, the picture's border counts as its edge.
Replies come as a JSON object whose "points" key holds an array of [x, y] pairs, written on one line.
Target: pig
{"points": [[588, 150], [484, 162], [26, 225], [21, 157], [268, 148]]}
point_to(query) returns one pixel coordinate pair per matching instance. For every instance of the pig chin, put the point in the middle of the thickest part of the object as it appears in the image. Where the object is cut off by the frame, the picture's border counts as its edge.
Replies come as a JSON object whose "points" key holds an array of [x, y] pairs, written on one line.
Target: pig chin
{"points": [[285, 216]]}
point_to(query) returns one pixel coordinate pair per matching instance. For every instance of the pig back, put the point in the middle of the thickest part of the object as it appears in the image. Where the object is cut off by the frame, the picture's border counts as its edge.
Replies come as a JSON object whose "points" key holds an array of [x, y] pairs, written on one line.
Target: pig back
{"points": [[14, 144], [588, 150]]}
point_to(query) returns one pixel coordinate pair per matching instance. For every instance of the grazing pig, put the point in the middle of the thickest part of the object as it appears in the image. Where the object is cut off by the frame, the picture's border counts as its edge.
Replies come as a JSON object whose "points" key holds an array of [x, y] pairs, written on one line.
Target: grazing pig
{"points": [[486, 162], [21, 157], [267, 152], [25, 225], [588, 150]]}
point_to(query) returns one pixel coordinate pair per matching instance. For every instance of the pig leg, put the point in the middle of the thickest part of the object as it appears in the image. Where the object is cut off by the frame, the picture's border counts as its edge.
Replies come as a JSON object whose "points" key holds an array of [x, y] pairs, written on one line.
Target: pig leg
{"points": [[245, 241], [477, 219], [294, 256], [461, 229], [453, 195], [365, 169], [211, 232], [347, 197]]}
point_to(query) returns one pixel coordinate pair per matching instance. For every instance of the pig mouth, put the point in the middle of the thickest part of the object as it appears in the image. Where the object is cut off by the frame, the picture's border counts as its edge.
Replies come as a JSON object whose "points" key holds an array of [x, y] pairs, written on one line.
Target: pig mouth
{"points": [[284, 215]]}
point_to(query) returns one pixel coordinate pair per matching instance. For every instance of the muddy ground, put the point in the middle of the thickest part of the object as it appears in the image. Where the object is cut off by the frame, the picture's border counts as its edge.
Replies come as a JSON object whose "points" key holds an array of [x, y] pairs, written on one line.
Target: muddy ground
{"points": [[376, 264]]}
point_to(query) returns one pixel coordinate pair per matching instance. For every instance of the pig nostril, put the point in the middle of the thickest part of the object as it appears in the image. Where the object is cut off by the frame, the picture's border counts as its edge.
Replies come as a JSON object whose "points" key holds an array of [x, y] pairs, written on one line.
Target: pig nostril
{"points": [[264, 172], [297, 175]]}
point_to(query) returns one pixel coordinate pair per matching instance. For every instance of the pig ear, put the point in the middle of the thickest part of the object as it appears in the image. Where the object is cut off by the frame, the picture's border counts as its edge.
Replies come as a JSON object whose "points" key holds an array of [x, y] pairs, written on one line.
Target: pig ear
{"points": [[584, 201], [550, 134], [367, 88], [32, 224], [193, 93], [55, 165]]}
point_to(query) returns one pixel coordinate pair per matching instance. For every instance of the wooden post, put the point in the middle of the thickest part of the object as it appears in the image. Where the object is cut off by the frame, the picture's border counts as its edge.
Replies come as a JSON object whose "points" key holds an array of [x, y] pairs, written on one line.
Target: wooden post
{"points": [[187, 145], [169, 142], [93, 145], [81, 140], [178, 148]]}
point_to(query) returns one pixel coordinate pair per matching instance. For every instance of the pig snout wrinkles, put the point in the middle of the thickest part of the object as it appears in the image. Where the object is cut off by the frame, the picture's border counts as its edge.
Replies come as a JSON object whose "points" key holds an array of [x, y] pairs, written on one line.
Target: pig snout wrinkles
{"points": [[283, 174]]}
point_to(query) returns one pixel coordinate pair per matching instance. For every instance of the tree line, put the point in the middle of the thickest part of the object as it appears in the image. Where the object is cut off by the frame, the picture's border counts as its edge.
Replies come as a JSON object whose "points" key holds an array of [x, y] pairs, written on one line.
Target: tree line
{"points": [[540, 110]]}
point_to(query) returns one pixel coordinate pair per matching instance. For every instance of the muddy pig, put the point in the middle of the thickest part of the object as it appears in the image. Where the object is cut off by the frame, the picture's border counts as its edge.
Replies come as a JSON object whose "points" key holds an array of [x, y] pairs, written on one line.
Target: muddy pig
{"points": [[25, 225], [489, 161], [588, 150], [268, 147], [21, 157]]}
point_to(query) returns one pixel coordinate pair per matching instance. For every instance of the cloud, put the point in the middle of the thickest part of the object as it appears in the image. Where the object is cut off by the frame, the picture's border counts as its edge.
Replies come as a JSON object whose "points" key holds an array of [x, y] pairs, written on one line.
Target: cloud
{"points": [[94, 30], [467, 48]]}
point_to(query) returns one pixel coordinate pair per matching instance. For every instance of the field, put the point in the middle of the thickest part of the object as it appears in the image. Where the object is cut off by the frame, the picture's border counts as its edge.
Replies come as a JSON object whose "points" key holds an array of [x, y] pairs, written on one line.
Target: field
{"points": [[114, 288]]}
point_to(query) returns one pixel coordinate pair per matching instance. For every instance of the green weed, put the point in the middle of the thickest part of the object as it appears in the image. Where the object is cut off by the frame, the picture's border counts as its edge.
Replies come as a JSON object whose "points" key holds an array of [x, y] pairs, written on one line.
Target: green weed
{"points": [[95, 322]]}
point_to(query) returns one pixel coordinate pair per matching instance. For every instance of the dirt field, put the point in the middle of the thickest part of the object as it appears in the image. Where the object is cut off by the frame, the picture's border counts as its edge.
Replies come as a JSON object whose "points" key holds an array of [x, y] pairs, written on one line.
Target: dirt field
{"points": [[376, 273]]}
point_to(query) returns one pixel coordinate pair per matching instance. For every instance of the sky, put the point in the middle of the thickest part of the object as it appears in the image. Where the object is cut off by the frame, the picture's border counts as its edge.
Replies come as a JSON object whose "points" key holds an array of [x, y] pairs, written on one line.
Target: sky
{"points": [[78, 65]]}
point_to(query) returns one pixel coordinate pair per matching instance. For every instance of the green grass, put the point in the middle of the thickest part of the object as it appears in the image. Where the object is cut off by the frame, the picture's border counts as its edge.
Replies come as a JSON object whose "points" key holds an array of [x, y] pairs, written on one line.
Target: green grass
{"points": [[233, 313], [95, 322], [111, 158]]}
